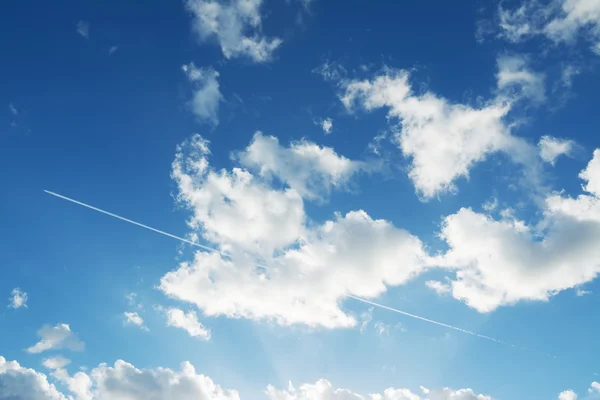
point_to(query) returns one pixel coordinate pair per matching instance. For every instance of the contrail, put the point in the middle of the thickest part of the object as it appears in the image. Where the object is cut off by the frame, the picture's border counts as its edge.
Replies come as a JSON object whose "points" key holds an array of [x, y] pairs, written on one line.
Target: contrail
{"points": [[429, 320], [211, 249], [60, 196]]}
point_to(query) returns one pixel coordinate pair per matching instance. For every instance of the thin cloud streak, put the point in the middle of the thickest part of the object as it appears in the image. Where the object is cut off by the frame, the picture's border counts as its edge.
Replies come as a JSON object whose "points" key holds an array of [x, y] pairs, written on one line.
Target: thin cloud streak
{"points": [[445, 325], [60, 196]]}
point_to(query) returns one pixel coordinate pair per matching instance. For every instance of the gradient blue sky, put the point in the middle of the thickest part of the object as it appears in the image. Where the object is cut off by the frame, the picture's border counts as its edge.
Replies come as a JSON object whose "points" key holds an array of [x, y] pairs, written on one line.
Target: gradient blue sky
{"points": [[97, 114]]}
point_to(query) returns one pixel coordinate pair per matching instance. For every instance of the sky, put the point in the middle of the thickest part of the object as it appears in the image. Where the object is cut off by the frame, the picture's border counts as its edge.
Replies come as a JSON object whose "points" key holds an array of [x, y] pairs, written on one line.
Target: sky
{"points": [[300, 200]]}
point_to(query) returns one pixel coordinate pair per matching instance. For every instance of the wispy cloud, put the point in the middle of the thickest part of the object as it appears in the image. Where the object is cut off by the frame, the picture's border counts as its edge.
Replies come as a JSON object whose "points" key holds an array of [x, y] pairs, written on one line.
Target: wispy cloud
{"points": [[18, 298], [207, 96], [83, 28], [59, 336], [133, 318], [112, 50], [13, 110]]}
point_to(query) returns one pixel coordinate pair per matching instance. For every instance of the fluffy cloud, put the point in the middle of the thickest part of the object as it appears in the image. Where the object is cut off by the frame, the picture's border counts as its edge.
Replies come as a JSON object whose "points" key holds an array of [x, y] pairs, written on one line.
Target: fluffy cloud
{"points": [[18, 298], [551, 148], [233, 208], [207, 96], [514, 74], [188, 322], [567, 395], [236, 25], [443, 140], [19, 383], [323, 390], [309, 169], [119, 382], [134, 318], [501, 262], [59, 336], [559, 20], [307, 269]]}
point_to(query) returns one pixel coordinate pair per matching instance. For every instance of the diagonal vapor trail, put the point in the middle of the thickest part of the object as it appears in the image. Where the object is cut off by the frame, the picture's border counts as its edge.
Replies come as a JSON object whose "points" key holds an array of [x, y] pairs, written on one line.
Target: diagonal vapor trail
{"points": [[429, 320], [211, 249], [60, 196]]}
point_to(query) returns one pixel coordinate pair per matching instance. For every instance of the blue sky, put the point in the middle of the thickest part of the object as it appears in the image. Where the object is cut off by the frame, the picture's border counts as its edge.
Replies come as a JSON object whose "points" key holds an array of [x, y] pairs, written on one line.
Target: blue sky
{"points": [[433, 157]]}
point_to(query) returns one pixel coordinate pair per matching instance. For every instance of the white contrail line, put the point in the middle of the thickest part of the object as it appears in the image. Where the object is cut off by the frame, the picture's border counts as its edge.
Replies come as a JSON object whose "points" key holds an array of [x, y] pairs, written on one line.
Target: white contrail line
{"points": [[428, 320], [60, 196], [211, 249], [431, 321]]}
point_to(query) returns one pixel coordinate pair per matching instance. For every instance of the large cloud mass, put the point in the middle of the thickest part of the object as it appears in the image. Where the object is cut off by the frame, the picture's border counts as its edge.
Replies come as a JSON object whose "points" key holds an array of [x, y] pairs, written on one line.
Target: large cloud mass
{"points": [[501, 262], [307, 268]]}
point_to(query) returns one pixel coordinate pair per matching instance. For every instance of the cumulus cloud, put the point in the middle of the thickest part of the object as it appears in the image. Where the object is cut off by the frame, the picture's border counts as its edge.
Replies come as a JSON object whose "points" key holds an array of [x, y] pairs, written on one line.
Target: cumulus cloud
{"points": [[133, 318], [515, 78], [18, 382], [551, 148], [55, 337], [443, 140], [561, 21], [18, 298], [309, 169], [207, 96], [501, 262], [122, 381], [567, 395], [236, 25], [188, 322], [306, 270], [324, 390]]}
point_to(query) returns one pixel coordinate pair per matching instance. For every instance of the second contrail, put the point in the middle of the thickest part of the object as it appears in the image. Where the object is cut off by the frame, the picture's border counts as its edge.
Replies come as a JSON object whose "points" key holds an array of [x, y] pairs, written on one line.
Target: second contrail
{"points": [[211, 249]]}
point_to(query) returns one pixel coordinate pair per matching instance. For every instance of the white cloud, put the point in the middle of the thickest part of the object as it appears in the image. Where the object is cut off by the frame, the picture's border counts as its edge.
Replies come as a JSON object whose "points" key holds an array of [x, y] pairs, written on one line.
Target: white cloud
{"points": [[18, 298], [443, 140], [83, 28], [233, 208], [119, 382], [133, 318], [236, 25], [308, 269], [112, 50], [187, 321], [56, 337], [567, 395], [594, 387], [323, 390], [551, 148], [515, 75], [438, 287], [501, 262], [13, 110], [18, 383], [56, 362], [327, 125], [568, 72], [490, 205], [207, 96], [562, 21], [307, 168]]}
